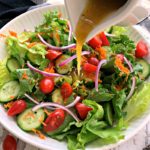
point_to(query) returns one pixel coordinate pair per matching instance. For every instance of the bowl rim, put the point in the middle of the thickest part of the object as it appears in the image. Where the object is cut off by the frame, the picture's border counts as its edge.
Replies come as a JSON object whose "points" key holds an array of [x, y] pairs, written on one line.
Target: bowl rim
{"points": [[39, 145]]}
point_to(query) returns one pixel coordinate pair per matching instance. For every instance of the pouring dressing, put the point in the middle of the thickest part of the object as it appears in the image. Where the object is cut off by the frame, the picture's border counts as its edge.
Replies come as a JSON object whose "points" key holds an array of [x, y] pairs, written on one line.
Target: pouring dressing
{"points": [[93, 14]]}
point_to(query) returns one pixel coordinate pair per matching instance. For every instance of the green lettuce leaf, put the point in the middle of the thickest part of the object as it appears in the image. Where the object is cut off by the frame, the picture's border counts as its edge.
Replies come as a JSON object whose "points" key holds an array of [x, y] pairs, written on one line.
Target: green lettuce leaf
{"points": [[118, 102], [119, 30], [26, 79], [4, 75], [39, 49], [101, 96], [138, 103], [16, 49], [25, 36], [93, 128], [19, 50]]}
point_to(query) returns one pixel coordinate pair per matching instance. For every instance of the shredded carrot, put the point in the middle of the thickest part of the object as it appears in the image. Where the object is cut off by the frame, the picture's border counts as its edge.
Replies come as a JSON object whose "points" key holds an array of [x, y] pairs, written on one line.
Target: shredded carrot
{"points": [[73, 49], [47, 112], [59, 15], [57, 36], [31, 44], [12, 33], [12, 96], [28, 115], [120, 65], [118, 87], [3, 36], [8, 105], [102, 53], [91, 76], [24, 76], [39, 133], [41, 121], [83, 59], [50, 70]]}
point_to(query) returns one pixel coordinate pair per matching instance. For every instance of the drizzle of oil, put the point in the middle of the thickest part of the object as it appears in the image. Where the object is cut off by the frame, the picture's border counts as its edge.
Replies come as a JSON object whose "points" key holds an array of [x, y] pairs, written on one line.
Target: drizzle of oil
{"points": [[93, 14]]}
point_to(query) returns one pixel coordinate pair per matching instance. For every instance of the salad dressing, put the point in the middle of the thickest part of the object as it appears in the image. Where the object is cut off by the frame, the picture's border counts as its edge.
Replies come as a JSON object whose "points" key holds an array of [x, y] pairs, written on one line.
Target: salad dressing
{"points": [[93, 14]]}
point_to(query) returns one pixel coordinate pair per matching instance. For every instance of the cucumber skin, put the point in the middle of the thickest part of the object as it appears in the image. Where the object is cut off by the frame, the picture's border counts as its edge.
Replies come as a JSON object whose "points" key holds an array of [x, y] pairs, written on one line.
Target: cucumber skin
{"points": [[57, 95], [34, 58], [108, 114], [64, 69], [12, 68], [146, 68], [19, 122], [9, 97]]}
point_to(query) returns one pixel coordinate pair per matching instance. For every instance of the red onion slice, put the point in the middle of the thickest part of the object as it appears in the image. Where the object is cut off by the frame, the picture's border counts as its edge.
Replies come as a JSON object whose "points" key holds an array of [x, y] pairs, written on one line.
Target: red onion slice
{"points": [[132, 88], [129, 64], [55, 47], [72, 58], [104, 61], [70, 31], [42, 72], [133, 78], [109, 35], [31, 99], [47, 104], [77, 99]]}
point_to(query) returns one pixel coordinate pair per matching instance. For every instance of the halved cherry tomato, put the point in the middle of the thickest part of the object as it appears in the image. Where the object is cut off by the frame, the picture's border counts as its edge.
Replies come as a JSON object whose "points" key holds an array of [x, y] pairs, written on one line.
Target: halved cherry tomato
{"points": [[54, 120], [87, 67], [46, 85], [17, 107], [104, 39], [52, 54], [66, 90], [141, 49], [93, 61], [121, 57], [82, 110], [95, 42], [9, 143]]}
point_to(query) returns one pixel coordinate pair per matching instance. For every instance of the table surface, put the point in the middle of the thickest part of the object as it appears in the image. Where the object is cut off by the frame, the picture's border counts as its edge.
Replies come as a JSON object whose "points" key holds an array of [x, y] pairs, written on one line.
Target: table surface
{"points": [[138, 142]]}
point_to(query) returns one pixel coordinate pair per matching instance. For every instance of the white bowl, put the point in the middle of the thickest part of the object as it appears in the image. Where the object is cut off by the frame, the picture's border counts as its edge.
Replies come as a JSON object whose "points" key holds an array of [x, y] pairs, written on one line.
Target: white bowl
{"points": [[28, 21]]}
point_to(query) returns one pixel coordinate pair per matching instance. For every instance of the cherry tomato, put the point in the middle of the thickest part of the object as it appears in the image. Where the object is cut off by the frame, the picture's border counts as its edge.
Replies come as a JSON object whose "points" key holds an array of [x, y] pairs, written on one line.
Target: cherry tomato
{"points": [[87, 67], [54, 120], [46, 85], [121, 57], [18, 107], [141, 49], [93, 61], [95, 42], [66, 90], [9, 143], [52, 54], [82, 110], [104, 39]]}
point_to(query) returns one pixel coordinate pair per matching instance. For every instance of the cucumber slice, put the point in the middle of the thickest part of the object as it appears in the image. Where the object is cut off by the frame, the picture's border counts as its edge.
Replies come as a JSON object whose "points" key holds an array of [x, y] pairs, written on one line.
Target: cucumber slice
{"points": [[12, 64], [108, 114], [57, 97], [34, 58], [60, 80], [64, 69], [29, 120], [9, 91], [146, 68]]}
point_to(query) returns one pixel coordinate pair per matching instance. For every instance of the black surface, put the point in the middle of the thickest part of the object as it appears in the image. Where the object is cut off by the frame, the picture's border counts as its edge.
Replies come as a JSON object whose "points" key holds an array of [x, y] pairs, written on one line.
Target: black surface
{"points": [[9, 9]]}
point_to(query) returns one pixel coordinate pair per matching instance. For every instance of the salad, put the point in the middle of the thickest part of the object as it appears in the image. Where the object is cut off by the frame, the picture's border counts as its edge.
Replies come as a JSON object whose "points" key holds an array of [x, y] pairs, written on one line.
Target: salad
{"points": [[40, 87]]}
